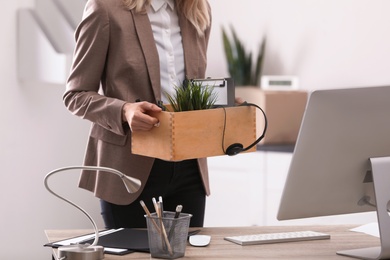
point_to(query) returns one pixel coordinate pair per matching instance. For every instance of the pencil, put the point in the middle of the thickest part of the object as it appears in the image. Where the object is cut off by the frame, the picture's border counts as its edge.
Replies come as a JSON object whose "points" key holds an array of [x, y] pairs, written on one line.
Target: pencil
{"points": [[177, 214], [162, 205], [178, 210], [144, 207], [164, 232], [149, 215], [155, 204]]}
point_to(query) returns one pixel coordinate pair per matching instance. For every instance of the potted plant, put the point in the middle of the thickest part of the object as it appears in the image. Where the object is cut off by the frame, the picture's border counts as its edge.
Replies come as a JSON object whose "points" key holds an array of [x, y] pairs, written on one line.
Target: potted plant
{"points": [[240, 61], [245, 70], [284, 109], [192, 95]]}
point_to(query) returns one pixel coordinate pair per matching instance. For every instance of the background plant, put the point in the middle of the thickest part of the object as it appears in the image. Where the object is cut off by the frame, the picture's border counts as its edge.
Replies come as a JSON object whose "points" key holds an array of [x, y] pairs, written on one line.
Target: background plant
{"points": [[240, 62], [192, 96]]}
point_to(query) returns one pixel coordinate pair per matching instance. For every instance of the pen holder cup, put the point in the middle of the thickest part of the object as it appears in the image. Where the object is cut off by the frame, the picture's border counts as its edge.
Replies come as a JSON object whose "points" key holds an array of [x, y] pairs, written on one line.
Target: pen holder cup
{"points": [[168, 235]]}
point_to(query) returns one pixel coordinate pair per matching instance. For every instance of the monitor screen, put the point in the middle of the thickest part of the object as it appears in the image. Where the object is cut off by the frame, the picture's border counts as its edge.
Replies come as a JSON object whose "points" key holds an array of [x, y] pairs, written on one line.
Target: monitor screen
{"points": [[330, 171]]}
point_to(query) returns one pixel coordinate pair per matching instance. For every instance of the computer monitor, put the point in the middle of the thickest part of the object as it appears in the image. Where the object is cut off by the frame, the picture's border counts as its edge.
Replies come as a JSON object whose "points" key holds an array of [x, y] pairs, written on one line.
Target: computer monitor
{"points": [[342, 152]]}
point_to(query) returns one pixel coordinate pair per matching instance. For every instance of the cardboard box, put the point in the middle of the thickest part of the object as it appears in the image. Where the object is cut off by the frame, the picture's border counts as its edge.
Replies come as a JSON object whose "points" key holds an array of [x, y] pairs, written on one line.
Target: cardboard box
{"points": [[284, 110], [196, 134]]}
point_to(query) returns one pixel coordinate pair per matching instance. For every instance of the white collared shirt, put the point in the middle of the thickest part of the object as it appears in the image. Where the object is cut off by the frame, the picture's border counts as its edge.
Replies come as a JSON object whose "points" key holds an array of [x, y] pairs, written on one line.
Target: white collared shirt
{"points": [[167, 35]]}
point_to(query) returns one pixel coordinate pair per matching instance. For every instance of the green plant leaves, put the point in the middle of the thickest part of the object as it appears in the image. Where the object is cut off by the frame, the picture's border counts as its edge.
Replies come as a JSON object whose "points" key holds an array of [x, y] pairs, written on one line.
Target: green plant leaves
{"points": [[240, 61], [192, 96]]}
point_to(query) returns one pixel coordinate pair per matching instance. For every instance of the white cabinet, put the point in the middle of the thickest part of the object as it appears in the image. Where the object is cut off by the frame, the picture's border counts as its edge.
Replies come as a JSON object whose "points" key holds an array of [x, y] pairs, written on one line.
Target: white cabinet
{"points": [[246, 189]]}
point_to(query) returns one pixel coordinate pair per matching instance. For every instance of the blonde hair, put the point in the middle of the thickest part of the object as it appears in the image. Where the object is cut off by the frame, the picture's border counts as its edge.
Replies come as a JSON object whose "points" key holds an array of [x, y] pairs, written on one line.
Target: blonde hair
{"points": [[196, 11]]}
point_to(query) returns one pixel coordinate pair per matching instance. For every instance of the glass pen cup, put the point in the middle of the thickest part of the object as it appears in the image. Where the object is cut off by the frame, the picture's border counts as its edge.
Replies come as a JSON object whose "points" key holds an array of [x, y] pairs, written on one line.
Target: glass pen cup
{"points": [[168, 235]]}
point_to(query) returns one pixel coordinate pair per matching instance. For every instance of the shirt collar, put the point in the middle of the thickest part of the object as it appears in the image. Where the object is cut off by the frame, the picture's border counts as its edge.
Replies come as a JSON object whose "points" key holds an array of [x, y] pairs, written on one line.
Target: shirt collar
{"points": [[158, 4]]}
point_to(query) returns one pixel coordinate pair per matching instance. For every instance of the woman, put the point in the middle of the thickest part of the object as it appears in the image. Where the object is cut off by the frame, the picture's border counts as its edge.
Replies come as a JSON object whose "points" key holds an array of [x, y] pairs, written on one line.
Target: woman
{"points": [[137, 50]]}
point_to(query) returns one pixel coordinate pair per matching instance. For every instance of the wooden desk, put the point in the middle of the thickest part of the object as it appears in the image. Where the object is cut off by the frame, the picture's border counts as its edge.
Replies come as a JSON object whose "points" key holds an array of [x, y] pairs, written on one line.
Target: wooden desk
{"points": [[341, 239]]}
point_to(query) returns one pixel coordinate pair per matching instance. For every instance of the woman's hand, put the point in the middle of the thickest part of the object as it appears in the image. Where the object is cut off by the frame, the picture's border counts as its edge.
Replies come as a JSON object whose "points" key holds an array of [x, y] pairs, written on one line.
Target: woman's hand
{"points": [[136, 115], [239, 101]]}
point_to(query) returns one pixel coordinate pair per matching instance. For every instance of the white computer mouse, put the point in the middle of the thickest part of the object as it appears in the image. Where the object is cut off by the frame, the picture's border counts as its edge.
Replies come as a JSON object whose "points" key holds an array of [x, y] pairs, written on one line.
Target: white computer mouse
{"points": [[199, 240]]}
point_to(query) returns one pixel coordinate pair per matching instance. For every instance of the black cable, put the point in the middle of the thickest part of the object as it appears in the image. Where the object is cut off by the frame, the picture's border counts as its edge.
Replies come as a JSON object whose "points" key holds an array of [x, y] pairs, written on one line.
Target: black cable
{"points": [[257, 140], [224, 129]]}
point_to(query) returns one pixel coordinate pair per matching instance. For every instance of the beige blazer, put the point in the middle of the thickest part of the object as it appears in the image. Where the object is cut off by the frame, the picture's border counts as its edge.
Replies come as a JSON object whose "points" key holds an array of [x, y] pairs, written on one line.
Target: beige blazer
{"points": [[115, 48]]}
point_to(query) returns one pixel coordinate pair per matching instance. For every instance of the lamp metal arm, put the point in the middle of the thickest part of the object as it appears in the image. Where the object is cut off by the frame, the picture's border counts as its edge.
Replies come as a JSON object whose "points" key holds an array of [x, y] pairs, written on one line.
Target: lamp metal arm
{"points": [[132, 185]]}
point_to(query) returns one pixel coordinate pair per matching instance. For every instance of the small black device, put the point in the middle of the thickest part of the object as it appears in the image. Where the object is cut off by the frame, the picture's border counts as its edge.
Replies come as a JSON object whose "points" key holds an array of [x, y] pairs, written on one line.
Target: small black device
{"points": [[237, 148]]}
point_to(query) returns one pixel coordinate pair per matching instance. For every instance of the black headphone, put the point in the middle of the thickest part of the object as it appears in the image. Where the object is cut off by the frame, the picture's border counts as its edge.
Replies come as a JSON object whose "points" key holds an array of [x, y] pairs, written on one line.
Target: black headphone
{"points": [[237, 148]]}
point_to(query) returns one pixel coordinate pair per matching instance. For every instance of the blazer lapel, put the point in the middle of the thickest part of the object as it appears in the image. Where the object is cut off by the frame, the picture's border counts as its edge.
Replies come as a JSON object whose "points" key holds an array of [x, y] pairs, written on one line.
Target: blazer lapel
{"points": [[190, 43], [145, 35]]}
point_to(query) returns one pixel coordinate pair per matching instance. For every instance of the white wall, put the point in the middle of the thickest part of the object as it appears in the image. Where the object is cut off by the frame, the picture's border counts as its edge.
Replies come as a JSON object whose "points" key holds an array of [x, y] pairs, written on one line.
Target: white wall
{"points": [[327, 43], [37, 135]]}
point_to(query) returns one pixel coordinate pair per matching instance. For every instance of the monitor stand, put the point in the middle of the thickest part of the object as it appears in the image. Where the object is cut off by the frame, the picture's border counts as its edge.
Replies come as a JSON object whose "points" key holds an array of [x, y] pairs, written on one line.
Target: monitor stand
{"points": [[381, 178]]}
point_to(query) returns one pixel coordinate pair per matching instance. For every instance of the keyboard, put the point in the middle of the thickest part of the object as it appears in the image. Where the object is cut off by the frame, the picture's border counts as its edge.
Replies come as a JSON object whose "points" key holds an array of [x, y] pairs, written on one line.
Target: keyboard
{"points": [[257, 239]]}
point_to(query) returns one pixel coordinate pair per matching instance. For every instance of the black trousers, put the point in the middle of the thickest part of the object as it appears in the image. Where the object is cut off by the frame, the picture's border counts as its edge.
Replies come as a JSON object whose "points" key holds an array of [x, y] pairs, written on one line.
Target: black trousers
{"points": [[179, 183]]}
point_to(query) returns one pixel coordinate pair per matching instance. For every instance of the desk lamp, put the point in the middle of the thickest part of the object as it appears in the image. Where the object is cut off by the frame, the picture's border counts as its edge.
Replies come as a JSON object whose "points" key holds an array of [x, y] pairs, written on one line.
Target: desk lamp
{"points": [[85, 251]]}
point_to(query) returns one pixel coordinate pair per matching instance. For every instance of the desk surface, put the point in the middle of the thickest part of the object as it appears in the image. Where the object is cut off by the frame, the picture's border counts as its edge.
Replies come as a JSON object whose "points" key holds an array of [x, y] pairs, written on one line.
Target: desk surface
{"points": [[341, 239]]}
